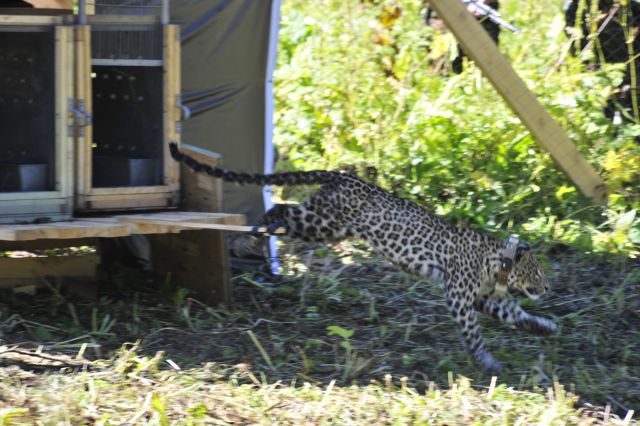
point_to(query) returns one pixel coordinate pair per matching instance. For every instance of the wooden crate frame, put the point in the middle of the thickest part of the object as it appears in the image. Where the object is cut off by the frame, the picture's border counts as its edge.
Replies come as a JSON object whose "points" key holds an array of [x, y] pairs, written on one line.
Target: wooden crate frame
{"points": [[56, 204], [88, 198]]}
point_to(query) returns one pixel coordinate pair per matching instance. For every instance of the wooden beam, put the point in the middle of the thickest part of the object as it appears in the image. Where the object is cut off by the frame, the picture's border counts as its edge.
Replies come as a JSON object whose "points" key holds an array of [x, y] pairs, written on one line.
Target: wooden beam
{"points": [[478, 46]]}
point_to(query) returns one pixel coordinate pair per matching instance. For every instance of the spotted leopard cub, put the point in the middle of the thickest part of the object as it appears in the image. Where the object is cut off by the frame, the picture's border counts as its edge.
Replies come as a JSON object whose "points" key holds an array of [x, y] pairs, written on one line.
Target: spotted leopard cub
{"points": [[475, 270]]}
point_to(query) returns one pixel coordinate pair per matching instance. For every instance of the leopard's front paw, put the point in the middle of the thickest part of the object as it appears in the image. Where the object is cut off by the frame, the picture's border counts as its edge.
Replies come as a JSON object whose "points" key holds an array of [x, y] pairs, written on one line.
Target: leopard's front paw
{"points": [[542, 326]]}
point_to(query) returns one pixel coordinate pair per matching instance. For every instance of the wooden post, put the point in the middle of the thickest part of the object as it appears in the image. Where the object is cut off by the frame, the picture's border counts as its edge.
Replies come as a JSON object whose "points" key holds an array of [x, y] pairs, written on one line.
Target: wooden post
{"points": [[478, 46], [171, 109], [83, 99], [197, 260]]}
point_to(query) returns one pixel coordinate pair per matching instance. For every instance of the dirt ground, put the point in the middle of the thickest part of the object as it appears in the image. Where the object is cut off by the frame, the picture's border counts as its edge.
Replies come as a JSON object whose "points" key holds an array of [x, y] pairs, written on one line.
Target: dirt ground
{"points": [[343, 314]]}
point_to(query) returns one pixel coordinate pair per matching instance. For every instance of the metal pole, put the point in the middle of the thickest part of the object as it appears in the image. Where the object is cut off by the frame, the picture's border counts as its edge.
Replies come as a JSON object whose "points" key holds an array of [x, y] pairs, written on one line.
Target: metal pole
{"points": [[82, 12], [165, 12]]}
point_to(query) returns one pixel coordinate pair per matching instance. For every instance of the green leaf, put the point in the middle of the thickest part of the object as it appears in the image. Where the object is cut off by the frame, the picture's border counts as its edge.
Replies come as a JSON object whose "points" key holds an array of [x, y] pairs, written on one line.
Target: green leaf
{"points": [[345, 344], [339, 331]]}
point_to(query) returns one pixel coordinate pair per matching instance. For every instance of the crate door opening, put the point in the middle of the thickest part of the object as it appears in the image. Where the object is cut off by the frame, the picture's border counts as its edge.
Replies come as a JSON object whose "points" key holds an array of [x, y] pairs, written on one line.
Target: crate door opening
{"points": [[34, 89], [127, 126], [128, 77]]}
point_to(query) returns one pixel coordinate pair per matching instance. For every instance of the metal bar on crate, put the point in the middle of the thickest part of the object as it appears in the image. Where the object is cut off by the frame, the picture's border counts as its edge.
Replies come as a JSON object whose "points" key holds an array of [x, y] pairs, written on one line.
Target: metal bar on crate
{"points": [[165, 12], [82, 12], [128, 62]]}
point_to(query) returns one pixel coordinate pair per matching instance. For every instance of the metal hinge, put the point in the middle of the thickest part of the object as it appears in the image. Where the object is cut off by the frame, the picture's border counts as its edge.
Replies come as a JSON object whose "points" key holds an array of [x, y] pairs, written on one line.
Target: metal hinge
{"points": [[185, 113], [79, 117]]}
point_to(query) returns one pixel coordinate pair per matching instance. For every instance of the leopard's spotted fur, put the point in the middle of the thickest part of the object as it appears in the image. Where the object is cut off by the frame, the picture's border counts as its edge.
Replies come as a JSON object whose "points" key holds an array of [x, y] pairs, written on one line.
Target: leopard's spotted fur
{"points": [[464, 261]]}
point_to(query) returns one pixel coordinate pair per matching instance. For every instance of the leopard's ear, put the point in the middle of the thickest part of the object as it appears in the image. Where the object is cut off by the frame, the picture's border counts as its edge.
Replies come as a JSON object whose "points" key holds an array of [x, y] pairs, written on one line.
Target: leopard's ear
{"points": [[522, 251]]}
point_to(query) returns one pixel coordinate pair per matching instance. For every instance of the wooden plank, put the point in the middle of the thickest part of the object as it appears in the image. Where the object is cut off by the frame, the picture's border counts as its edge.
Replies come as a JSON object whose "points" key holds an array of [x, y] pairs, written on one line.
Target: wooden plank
{"points": [[29, 271], [64, 230], [115, 226], [198, 260], [156, 224], [176, 226], [131, 191], [128, 200], [30, 19], [484, 52], [52, 4]]}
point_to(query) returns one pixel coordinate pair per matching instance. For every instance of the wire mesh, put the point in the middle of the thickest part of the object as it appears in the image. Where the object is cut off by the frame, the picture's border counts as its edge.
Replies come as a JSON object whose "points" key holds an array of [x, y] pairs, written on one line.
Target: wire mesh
{"points": [[127, 42]]}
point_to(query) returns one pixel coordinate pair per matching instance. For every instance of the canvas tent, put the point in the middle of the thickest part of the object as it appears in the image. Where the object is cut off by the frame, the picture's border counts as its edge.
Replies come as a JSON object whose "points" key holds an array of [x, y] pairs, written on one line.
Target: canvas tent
{"points": [[228, 57]]}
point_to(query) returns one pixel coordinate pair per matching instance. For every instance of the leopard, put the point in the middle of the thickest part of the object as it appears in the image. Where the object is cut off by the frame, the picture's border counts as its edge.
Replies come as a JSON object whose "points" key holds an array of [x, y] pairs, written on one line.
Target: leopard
{"points": [[479, 274]]}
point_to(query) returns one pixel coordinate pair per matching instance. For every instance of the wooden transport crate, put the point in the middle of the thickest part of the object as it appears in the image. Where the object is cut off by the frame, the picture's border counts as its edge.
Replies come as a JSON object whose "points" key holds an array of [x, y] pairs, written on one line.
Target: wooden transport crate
{"points": [[36, 145], [127, 73]]}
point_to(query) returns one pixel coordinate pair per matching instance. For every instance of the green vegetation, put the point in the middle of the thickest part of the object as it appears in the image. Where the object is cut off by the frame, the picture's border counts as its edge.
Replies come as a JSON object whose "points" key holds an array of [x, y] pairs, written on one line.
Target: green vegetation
{"points": [[359, 85]]}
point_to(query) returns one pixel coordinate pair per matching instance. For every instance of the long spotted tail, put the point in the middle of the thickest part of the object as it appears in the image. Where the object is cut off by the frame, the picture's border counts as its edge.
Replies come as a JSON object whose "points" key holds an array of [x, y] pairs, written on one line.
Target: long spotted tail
{"points": [[278, 179]]}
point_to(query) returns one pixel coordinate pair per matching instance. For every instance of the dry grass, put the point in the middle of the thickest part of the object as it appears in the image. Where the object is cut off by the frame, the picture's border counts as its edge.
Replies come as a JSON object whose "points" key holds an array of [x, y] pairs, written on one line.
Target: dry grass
{"points": [[132, 389]]}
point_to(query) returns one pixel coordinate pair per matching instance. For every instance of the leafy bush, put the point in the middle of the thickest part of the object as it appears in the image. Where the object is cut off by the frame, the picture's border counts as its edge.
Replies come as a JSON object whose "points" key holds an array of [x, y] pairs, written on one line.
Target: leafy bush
{"points": [[367, 84]]}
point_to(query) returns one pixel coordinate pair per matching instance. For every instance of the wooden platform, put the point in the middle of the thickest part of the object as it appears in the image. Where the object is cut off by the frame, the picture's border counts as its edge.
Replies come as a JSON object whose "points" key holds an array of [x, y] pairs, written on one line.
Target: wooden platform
{"points": [[115, 226], [194, 259], [185, 255]]}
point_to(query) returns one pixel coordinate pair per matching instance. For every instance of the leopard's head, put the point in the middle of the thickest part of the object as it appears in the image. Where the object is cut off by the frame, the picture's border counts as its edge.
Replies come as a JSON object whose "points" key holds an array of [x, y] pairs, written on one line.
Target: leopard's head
{"points": [[527, 274]]}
